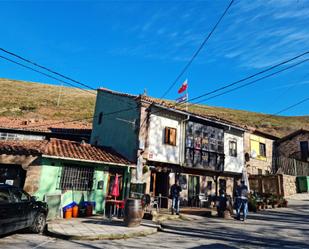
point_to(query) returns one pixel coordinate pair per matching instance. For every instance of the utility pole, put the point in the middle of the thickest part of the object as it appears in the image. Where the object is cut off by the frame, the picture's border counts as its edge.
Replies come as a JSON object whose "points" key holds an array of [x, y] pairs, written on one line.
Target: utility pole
{"points": [[59, 95]]}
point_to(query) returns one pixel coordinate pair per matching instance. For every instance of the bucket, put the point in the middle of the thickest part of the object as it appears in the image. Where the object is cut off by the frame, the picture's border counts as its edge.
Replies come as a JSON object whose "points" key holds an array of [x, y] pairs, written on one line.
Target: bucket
{"points": [[133, 212], [68, 213], [75, 211]]}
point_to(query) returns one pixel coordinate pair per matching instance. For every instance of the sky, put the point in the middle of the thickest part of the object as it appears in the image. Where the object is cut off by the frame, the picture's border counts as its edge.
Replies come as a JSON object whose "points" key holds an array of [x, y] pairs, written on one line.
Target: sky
{"points": [[130, 46]]}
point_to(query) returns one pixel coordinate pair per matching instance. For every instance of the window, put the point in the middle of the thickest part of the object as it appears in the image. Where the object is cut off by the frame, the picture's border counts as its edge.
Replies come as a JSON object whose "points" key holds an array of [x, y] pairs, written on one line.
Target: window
{"points": [[262, 150], [76, 178], [260, 172], [304, 150], [233, 148], [170, 136], [100, 118]]}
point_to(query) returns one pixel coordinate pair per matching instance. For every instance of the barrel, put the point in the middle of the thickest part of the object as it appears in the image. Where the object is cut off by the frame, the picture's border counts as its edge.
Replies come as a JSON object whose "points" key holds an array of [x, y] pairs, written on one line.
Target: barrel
{"points": [[133, 212]]}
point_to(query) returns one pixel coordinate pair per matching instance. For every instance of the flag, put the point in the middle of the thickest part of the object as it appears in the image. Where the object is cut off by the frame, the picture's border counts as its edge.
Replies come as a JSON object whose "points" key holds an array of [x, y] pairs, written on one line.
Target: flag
{"points": [[182, 99], [183, 87]]}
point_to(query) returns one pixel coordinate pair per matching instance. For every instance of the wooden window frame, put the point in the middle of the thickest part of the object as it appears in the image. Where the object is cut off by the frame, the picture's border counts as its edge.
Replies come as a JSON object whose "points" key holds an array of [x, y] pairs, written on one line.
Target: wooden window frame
{"points": [[233, 152], [170, 136], [264, 150]]}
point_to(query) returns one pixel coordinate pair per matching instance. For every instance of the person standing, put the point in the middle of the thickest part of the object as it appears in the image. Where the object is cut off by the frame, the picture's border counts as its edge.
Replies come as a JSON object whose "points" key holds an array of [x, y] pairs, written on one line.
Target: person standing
{"points": [[175, 193], [242, 200]]}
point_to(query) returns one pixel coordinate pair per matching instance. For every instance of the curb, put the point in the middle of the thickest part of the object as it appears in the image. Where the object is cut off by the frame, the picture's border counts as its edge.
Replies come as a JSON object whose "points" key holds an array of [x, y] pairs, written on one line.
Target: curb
{"points": [[114, 236]]}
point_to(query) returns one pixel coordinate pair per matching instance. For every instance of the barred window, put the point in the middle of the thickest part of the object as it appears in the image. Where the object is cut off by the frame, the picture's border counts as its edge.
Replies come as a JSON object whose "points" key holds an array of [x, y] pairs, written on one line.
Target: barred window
{"points": [[76, 178]]}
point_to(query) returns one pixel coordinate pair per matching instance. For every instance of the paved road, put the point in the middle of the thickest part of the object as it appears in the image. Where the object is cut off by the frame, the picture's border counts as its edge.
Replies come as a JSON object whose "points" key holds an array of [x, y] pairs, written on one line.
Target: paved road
{"points": [[276, 228]]}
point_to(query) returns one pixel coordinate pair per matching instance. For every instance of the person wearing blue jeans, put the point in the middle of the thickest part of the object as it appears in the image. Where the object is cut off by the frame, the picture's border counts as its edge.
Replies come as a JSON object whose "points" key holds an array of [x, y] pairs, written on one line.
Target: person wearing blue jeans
{"points": [[242, 200], [175, 193]]}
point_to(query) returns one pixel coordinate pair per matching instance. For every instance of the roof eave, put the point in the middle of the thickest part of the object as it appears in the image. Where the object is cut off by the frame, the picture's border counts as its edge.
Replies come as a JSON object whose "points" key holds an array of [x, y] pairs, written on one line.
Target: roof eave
{"points": [[87, 161]]}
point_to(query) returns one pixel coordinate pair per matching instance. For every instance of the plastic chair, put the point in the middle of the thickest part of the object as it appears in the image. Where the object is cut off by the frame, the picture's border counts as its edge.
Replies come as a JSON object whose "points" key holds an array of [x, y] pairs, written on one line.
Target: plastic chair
{"points": [[202, 199]]}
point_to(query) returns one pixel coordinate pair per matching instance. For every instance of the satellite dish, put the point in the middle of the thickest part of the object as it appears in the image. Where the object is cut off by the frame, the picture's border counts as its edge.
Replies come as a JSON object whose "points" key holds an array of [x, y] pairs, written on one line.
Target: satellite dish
{"points": [[253, 154]]}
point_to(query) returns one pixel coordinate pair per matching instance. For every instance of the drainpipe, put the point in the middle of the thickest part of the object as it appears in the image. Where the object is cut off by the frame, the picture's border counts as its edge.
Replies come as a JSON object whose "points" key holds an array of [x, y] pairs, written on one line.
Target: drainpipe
{"points": [[183, 142]]}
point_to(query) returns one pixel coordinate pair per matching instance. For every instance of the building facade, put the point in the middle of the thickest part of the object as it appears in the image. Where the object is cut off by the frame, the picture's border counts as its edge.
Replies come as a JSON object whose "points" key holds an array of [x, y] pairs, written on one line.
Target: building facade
{"points": [[259, 152], [62, 171], [294, 145], [168, 143]]}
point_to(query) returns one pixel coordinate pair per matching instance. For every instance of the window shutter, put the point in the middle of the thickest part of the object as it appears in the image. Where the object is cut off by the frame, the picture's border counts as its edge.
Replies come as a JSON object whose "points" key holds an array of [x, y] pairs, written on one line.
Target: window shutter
{"points": [[166, 135], [172, 136]]}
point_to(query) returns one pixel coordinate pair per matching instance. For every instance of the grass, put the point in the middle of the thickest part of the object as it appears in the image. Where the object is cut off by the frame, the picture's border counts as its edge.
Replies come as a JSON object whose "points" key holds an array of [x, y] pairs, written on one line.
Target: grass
{"points": [[20, 99]]}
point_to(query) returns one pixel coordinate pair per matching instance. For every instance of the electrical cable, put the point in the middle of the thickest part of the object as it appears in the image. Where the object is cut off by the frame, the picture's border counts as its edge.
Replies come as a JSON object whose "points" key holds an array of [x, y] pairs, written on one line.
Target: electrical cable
{"points": [[196, 52]]}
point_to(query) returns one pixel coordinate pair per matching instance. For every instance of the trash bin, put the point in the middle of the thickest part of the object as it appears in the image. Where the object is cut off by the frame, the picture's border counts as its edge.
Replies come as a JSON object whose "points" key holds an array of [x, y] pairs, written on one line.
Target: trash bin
{"points": [[89, 206], [302, 184], [68, 210]]}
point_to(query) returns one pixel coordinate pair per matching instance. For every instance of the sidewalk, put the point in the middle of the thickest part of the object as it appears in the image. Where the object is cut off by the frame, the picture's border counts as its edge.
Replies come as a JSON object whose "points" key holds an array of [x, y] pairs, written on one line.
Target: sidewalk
{"points": [[97, 228]]}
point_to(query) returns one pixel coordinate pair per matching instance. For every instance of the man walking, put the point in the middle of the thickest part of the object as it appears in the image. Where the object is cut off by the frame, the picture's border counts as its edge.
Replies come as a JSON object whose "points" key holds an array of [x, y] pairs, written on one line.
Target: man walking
{"points": [[242, 200], [175, 192]]}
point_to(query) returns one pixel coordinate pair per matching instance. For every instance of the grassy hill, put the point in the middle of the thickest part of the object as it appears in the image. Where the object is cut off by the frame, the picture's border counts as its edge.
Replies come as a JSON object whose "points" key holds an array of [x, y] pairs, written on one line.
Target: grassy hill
{"points": [[21, 99]]}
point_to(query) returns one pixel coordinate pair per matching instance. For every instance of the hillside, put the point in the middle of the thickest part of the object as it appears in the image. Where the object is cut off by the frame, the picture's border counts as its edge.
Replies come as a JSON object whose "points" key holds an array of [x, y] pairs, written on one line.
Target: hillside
{"points": [[27, 100]]}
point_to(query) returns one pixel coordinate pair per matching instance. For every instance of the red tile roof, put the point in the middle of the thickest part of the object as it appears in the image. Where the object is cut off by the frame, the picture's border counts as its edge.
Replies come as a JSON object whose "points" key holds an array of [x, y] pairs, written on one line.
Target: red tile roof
{"points": [[63, 149], [84, 151], [22, 147]]}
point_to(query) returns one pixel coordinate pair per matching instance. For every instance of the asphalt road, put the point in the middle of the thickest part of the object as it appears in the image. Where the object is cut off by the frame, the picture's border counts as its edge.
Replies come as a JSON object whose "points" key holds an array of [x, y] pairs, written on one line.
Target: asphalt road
{"points": [[275, 228]]}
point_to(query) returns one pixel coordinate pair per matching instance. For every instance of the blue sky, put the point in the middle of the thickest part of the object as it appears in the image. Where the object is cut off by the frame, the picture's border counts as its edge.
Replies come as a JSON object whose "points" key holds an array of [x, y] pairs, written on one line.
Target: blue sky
{"points": [[132, 45]]}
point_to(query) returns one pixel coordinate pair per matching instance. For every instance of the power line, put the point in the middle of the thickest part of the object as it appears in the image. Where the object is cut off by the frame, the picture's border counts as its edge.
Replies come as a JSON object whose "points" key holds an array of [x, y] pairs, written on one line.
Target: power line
{"points": [[45, 68], [48, 75], [252, 82], [226, 86], [284, 109], [45, 74], [197, 51], [249, 77]]}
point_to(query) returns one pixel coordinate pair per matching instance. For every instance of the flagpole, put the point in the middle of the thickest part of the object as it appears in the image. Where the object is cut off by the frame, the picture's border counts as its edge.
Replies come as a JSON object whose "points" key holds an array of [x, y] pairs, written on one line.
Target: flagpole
{"points": [[187, 97]]}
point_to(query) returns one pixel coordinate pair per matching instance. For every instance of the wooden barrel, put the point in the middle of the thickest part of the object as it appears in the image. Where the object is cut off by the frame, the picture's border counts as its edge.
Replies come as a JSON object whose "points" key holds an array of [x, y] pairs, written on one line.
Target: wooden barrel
{"points": [[133, 212]]}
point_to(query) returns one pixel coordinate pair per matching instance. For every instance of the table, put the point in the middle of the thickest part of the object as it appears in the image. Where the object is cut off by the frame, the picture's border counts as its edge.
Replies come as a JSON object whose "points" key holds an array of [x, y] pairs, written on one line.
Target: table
{"points": [[115, 204]]}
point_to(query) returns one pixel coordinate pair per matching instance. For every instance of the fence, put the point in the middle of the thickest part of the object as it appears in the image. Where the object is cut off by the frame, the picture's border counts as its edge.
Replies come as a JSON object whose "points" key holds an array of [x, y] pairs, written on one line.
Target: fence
{"points": [[279, 184], [290, 166]]}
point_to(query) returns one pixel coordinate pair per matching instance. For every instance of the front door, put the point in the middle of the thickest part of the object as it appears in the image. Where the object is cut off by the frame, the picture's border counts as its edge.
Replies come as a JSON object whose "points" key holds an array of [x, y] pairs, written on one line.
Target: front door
{"points": [[194, 190], [162, 188]]}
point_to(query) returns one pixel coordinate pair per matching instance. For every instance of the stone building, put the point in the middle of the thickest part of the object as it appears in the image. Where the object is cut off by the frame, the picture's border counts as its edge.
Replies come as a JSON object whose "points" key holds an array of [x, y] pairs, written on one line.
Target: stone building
{"points": [[259, 152], [294, 145]]}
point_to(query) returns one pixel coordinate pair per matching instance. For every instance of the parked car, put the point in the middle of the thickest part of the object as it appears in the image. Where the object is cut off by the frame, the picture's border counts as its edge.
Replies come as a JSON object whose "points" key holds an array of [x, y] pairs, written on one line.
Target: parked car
{"points": [[19, 210]]}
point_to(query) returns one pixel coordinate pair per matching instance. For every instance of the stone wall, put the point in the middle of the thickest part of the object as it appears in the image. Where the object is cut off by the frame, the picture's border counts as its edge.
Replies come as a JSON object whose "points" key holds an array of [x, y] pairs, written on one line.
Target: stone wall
{"points": [[273, 184], [289, 185], [32, 182], [292, 146]]}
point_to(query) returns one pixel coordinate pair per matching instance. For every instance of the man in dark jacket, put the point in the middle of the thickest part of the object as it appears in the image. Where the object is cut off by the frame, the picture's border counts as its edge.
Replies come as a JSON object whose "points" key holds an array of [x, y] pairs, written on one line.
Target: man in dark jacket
{"points": [[175, 192], [242, 200]]}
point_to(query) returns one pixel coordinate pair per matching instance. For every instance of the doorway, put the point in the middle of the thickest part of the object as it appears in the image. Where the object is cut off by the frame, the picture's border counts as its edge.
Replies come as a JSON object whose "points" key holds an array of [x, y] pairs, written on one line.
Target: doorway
{"points": [[162, 187], [194, 190]]}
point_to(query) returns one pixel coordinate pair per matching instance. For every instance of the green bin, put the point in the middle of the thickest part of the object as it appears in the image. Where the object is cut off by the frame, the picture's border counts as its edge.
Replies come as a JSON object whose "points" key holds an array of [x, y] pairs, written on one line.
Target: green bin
{"points": [[302, 184]]}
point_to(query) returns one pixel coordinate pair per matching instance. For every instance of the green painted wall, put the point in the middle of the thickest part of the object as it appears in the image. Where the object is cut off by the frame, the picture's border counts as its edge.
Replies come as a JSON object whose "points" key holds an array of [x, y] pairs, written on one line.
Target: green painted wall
{"points": [[50, 178], [118, 134]]}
